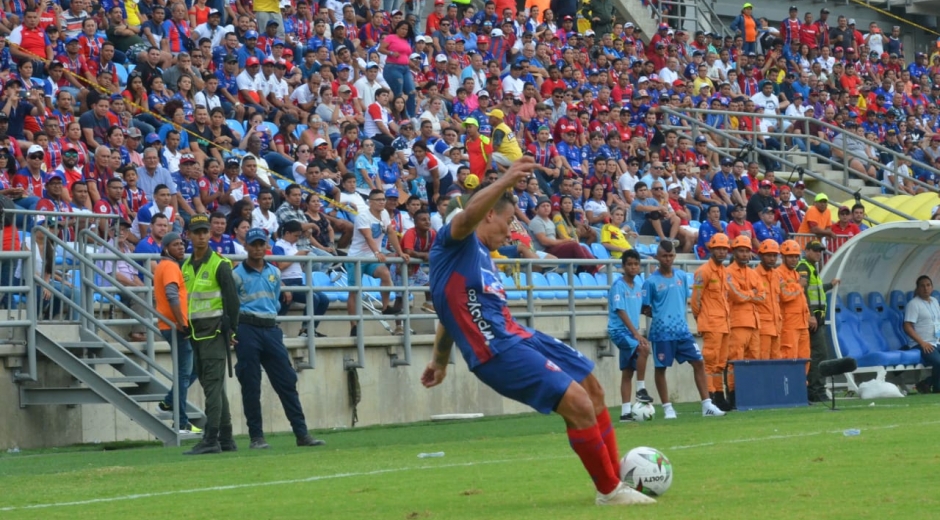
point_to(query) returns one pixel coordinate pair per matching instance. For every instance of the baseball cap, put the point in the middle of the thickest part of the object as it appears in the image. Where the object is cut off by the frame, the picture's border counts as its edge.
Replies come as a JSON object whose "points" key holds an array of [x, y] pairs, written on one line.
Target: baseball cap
{"points": [[496, 33], [272, 22], [251, 34], [391, 193], [372, 65], [483, 94], [152, 138], [132, 132], [815, 245], [34, 149], [440, 58], [766, 184], [414, 56], [231, 58], [471, 182], [255, 235], [318, 142], [344, 88], [497, 113], [674, 186], [232, 161], [252, 61], [471, 121], [821, 197], [799, 184], [187, 158], [198, 222], [767, 209], [701, 139]]}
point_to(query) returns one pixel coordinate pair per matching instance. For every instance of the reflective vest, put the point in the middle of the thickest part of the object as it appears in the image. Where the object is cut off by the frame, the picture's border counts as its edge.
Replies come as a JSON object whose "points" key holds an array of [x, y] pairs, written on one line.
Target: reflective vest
{"points": [[205, 296], [509, 147], [815, 293]]}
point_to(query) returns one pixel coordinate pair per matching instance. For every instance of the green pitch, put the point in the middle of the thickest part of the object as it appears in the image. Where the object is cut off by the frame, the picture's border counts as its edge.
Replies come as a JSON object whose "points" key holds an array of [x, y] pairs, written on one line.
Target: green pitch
{"points": [[786, 464]]}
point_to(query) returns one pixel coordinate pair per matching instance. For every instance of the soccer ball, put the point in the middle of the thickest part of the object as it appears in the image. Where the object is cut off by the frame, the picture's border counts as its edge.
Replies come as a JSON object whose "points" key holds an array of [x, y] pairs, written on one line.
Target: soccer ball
{"points": [[647, 470], [643, 412]]}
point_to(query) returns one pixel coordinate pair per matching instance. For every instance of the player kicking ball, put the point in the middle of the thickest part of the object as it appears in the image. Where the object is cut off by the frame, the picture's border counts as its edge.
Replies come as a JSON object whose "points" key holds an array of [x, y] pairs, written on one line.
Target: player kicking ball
{"points": [[624, 303], [516, 361], [665, 293]]}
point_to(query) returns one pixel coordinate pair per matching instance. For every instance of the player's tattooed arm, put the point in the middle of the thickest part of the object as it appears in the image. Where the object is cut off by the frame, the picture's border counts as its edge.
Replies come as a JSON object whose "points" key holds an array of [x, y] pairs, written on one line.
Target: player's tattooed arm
{"points": [[443, 344]]}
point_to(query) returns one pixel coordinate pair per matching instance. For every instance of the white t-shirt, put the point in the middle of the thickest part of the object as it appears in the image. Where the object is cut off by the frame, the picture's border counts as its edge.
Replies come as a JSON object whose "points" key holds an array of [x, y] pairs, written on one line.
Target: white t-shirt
{"points": [[204, 31], [626, 182], [378, 228], [294, 271], [514, 86], [302, 95], [245, 81], [925, 315], [354, 200], [268, 223], [876, 43]]}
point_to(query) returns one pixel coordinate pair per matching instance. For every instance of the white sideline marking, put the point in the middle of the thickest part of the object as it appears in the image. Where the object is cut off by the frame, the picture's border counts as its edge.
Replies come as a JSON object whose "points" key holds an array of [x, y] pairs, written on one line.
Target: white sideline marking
{"points": [[316, 478]]}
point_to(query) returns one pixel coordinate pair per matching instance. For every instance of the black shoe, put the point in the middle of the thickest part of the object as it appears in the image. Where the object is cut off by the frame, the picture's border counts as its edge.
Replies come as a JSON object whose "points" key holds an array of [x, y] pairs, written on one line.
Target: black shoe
{"points": [[165, 406], [303, 333], [642, 396], [226, 441], [354, 331], [319, 334], [394, 310], [258, 443], [208, 444], [308, 440], [732, 404], [720, 401], [922, 387], [627, 417]]}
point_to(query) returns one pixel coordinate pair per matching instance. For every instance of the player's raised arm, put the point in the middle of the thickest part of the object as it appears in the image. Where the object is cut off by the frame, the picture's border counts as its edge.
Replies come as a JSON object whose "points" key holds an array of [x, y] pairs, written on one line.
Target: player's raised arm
{"points": [[483, 201], [436, 370]]}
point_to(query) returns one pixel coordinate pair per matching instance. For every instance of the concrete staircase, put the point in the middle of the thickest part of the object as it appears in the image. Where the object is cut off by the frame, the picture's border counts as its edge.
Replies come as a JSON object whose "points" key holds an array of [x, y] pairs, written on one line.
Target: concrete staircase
{"points": [[829, 171]]}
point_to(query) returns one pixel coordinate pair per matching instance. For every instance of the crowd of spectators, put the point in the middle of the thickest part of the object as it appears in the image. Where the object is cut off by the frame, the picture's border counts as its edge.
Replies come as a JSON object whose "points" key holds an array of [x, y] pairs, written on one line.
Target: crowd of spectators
{"points": [[331, 125]]}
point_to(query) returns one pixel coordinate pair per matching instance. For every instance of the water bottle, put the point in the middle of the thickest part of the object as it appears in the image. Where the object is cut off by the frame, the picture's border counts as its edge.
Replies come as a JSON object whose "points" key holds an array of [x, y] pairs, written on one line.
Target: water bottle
{"points": [[435, 455], [852, 432]]}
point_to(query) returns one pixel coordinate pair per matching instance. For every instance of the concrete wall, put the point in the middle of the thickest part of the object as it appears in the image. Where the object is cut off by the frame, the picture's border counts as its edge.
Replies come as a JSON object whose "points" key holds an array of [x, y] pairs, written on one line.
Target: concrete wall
{"points": [[389, 395]]}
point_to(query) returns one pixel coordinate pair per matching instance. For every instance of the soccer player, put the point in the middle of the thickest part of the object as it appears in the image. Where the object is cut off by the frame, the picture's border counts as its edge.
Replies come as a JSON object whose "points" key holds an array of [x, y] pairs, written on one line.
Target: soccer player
{"points": [[518, 362], [664, 300], [625, 302]]}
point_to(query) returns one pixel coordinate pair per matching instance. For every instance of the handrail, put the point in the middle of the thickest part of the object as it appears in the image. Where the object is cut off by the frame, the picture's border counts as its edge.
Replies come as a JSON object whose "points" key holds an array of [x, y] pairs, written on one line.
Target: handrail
{"points": [[715, 23], [806, 120], [696, 123]]}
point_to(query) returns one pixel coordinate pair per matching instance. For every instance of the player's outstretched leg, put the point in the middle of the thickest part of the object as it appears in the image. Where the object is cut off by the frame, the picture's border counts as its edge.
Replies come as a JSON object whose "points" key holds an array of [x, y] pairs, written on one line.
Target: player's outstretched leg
{"points": [[604, 426], [578, 411]]}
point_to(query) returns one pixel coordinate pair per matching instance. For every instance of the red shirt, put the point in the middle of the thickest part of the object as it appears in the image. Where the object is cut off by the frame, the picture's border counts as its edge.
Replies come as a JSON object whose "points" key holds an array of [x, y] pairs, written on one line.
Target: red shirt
{"points": [[735, 229]]}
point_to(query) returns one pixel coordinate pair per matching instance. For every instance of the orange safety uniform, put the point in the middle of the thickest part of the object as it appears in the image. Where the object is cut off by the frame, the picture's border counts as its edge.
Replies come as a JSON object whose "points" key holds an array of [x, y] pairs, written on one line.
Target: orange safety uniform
{"points": [[771, 320], [745, 291], [711, 310], [794, 338]]}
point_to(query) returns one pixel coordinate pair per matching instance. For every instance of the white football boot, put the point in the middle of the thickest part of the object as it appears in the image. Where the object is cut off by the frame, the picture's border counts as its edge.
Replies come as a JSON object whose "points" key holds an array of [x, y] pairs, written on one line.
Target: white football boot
{"points": [[623, 495]]}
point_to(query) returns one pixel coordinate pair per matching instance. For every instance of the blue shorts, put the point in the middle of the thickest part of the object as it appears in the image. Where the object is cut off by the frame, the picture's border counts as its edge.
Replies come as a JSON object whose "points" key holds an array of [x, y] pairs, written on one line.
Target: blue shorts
{"points": [[367, 269], [536, 372], [627, 347], [683, 350]]}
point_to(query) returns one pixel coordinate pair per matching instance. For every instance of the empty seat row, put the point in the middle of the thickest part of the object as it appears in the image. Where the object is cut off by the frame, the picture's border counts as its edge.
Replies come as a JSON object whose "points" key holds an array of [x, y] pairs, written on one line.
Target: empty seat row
{"points": [[872, 330]]}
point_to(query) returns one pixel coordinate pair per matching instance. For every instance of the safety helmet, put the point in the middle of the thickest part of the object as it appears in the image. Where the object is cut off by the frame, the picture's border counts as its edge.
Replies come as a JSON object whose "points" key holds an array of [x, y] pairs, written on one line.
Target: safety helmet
{"points": [[741, 241], [719, 240], [790, 247], [769, 246]]}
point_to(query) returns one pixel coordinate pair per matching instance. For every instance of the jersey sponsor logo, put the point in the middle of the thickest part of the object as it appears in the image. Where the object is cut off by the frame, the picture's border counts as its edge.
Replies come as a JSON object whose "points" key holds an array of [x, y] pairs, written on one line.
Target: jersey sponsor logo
{"points": [[475, 308], [552, 366]]}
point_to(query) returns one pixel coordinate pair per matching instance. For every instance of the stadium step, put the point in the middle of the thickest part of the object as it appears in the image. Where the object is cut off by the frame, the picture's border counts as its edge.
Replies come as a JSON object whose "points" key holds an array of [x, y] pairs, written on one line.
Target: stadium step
{"points": [[110, 377]]}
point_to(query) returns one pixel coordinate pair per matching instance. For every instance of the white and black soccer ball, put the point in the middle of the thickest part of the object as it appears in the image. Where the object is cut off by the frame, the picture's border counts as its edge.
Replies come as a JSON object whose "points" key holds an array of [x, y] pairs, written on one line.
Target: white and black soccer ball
{"points": [[646, 470], [643, 412]]}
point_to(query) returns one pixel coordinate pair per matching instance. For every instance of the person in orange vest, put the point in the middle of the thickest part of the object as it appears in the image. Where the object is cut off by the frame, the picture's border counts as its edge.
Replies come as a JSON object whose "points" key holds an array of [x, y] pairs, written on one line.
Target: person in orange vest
{"points": [[794, 336], [771, 321], [746, 26], [711, 310], [479, 148], [745, 292]]}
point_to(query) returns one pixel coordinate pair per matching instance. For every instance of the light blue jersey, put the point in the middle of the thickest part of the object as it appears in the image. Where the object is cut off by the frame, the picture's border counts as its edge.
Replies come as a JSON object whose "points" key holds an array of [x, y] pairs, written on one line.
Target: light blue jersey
{"points": [[667, 300], [622, 297]]}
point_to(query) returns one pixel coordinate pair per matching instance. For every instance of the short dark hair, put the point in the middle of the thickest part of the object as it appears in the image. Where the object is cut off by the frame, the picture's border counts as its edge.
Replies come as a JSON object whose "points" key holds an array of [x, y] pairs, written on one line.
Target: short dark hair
{"points": [[160, 187], [628, 255], [216, 214]]}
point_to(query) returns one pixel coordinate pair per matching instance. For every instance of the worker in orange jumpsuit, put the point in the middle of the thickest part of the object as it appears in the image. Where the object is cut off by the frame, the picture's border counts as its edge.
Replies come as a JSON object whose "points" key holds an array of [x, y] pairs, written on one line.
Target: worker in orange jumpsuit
{"points": [[794, 337], [771, 321], [746, 292], [711, 310]]}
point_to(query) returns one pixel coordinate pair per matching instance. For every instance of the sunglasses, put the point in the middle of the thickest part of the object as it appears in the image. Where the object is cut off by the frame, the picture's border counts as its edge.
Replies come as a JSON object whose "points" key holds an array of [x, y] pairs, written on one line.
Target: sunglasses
{"points": [[37, 156], [657, 189], [68, 154]]}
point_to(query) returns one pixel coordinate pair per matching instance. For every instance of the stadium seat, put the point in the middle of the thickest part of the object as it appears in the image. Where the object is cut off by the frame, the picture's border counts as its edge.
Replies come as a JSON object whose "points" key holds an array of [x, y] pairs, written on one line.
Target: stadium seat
{"points": [[540, 284], [585, 247], [368, 281], [579, 294], [694, 224], [272, 128], [122, 74], [322, 280], [936, 295], [601, 278], [588, 280], [910, 295], [871, 342], [600, 252], [897, 302], [282, 184], [509, 285], [236, 126], [891, 320], [643, 249], [299, 130], [555, 280]]}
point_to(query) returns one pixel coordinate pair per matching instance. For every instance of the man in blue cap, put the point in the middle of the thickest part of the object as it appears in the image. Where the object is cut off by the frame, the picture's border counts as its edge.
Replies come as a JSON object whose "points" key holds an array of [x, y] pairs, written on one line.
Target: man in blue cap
{"points": [[261, 343]]}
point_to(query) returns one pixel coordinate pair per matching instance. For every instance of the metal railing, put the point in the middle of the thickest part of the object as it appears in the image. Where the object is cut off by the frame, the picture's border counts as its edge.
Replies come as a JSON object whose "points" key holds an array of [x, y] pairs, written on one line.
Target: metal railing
{"points": [[782, 122], [701, 13], [748, 147]]}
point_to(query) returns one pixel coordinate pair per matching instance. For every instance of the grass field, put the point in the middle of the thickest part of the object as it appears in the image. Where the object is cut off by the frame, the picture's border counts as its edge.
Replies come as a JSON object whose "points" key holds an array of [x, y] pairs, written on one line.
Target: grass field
{"points": [[778, 464]]}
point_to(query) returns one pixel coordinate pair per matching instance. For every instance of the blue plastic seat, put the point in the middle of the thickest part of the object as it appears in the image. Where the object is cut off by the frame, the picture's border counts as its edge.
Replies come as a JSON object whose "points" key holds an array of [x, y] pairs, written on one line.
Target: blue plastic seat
{"points": [[897, 302], [272, 128], [643, 249], [601, 278], [892, 329], [599, 251], [299, 130], [579, 294], [871, 341], [237, 127], [122, 74], [322, 280], [910, 295], [540, 284], [282, 184], [694, 224], [508, 285], [555, 280], [588, 280], [368, 281]]}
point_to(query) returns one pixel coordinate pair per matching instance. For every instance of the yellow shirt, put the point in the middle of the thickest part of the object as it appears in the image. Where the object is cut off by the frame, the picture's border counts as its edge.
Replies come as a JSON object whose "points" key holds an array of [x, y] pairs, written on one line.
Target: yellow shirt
{"points": [[133, 13], [267, 6], [509, 146], [697, 84], [611, 234]]}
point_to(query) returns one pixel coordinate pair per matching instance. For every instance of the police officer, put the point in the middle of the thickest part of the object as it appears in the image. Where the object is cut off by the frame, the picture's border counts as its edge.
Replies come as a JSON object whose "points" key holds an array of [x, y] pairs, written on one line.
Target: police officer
{"points": [[213, 318], [816, 298], [261, 343]]}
